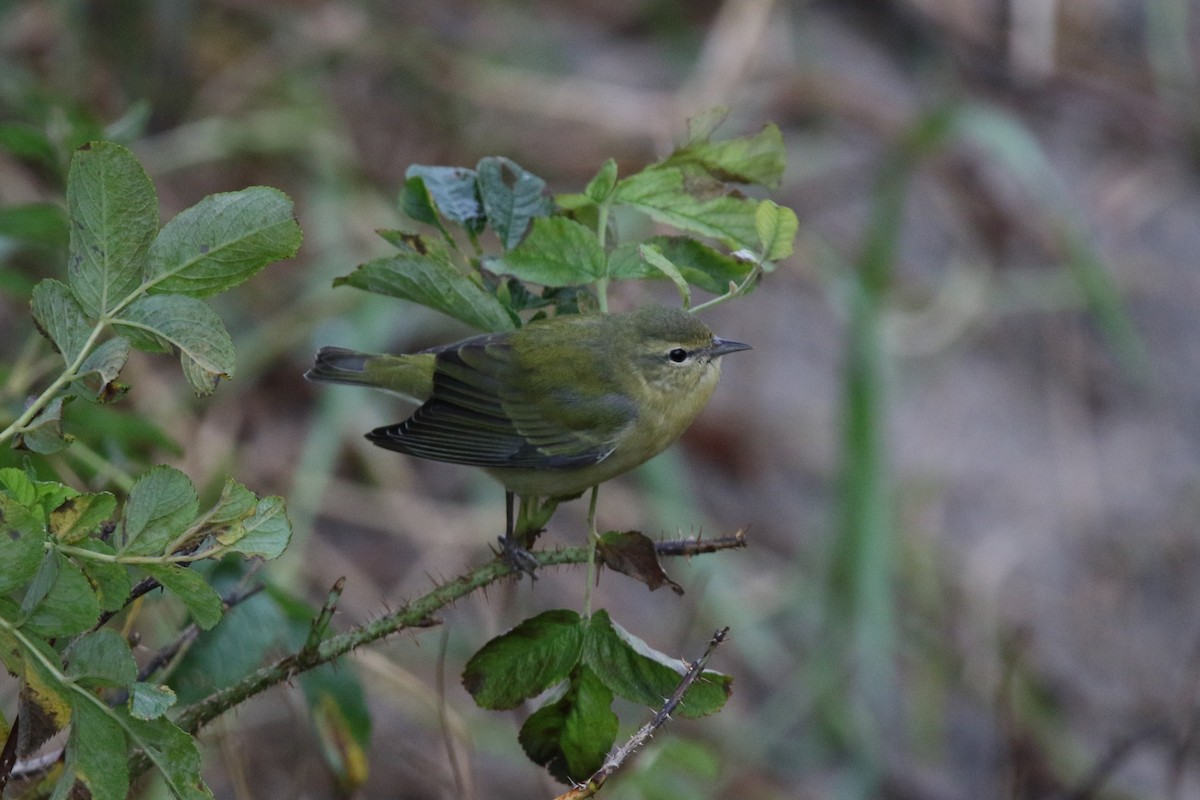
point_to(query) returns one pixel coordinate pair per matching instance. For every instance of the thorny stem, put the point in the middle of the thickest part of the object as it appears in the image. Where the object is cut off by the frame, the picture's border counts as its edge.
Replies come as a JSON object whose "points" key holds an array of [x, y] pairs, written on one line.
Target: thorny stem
{"points": [[622, 753]]}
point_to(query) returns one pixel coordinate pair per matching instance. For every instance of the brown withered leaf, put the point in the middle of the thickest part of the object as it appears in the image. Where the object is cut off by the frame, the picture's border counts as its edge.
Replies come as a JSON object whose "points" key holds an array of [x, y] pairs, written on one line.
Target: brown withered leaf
{"points": [[632, 553]]}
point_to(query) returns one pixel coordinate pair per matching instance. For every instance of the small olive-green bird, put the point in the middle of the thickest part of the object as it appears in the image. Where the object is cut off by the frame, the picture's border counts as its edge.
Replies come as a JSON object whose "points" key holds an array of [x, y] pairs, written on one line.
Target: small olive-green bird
{"points": [[550, 409]]}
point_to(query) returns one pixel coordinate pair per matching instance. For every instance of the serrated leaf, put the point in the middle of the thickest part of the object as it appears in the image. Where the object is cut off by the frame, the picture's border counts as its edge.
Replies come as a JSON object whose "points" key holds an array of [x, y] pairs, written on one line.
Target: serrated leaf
{"points": [[43, 703], [405, 241], [114, 216], [757, 159], [453, 191], [571, 736], [512, 197], [59, 317], [96, 760], [602, 184], [662, 194], [231, 650], [265, 533], [60, 600], [44, 433], [655, 258], [101, 658], [637, 672], [184, 326], [161, 505], [172, 752], [699, 264], [149, 700], [557, 252], [109, 579], [417, 204], [703, 125], [235, 503], [221, 241], [433, 283], [99, 371], [80, 515], [525, 661], [200, 599], [776, 227], [21, 552]]}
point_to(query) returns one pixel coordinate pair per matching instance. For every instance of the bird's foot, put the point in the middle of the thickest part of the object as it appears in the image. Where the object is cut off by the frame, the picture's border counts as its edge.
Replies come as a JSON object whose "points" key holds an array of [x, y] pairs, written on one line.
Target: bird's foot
{"points": [[517, 557]]}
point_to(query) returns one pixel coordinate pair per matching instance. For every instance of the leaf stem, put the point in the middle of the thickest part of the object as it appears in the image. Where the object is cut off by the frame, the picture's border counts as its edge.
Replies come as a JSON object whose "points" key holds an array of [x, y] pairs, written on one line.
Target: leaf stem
{"points": [[593, 539], [21, 423]]}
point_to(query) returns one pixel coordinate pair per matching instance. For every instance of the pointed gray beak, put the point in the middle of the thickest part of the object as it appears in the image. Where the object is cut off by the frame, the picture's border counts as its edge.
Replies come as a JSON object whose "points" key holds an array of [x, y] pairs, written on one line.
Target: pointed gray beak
{"points": [[722, 346]]}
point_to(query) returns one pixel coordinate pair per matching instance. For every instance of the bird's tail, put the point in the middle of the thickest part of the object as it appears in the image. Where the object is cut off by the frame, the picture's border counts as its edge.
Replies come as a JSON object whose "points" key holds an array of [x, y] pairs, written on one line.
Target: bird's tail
{"points": [[409, 376], [340, 365]]}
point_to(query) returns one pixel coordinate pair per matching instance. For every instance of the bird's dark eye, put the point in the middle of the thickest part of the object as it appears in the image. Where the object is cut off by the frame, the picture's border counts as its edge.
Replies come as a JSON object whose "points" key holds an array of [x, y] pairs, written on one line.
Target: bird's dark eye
{"points": [[678, 355]]}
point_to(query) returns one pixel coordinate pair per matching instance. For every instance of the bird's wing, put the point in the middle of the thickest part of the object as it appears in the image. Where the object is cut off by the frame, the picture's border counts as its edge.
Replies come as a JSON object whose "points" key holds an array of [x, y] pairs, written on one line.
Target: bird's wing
{"points": [[487, 410]]}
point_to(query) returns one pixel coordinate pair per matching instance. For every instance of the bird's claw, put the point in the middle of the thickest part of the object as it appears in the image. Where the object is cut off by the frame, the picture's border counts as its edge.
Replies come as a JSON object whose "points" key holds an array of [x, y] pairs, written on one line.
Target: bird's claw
{"points": [[517, 557]]}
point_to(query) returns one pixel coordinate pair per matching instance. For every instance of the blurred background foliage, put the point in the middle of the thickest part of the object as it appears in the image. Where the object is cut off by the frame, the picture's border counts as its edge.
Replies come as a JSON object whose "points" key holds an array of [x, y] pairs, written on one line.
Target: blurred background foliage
{"points": [[966, 445]]}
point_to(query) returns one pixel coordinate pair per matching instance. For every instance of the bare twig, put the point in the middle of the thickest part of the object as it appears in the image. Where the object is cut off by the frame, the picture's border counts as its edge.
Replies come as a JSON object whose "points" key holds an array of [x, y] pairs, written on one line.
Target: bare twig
{"points": [[189, 634], [644, 734], [698, 546]]}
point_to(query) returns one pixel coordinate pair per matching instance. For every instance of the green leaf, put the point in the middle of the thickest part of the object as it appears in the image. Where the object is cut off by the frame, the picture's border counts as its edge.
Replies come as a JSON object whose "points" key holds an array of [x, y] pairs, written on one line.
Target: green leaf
{"points": [[44, 433], [79, 516], [27, 143], [662, 194], [704, 124], [655, 258], [37, 224], [59, 317], [101, 368], [231, 650], [434, 283], [512, 197], [453, 191], [161, 505], [185, 326], [637, 672], [265, 533], [200, 599], [571, 736], [221, 241], [109, 580], [601, 186], [101, 658], [96, 759], [557, 252], [60, 600], [149, 700], [417, 204], [172, 752], [43, 703], [114, 216], [699, 264], [236, 502], [525, 661], [26, 502], [758, 159], [21, 551], [776, 227]]}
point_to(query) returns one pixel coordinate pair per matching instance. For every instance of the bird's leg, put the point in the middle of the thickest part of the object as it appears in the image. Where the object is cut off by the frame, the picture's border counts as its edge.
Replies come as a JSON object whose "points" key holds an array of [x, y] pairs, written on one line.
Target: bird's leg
{"points": [[512, 544]]}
